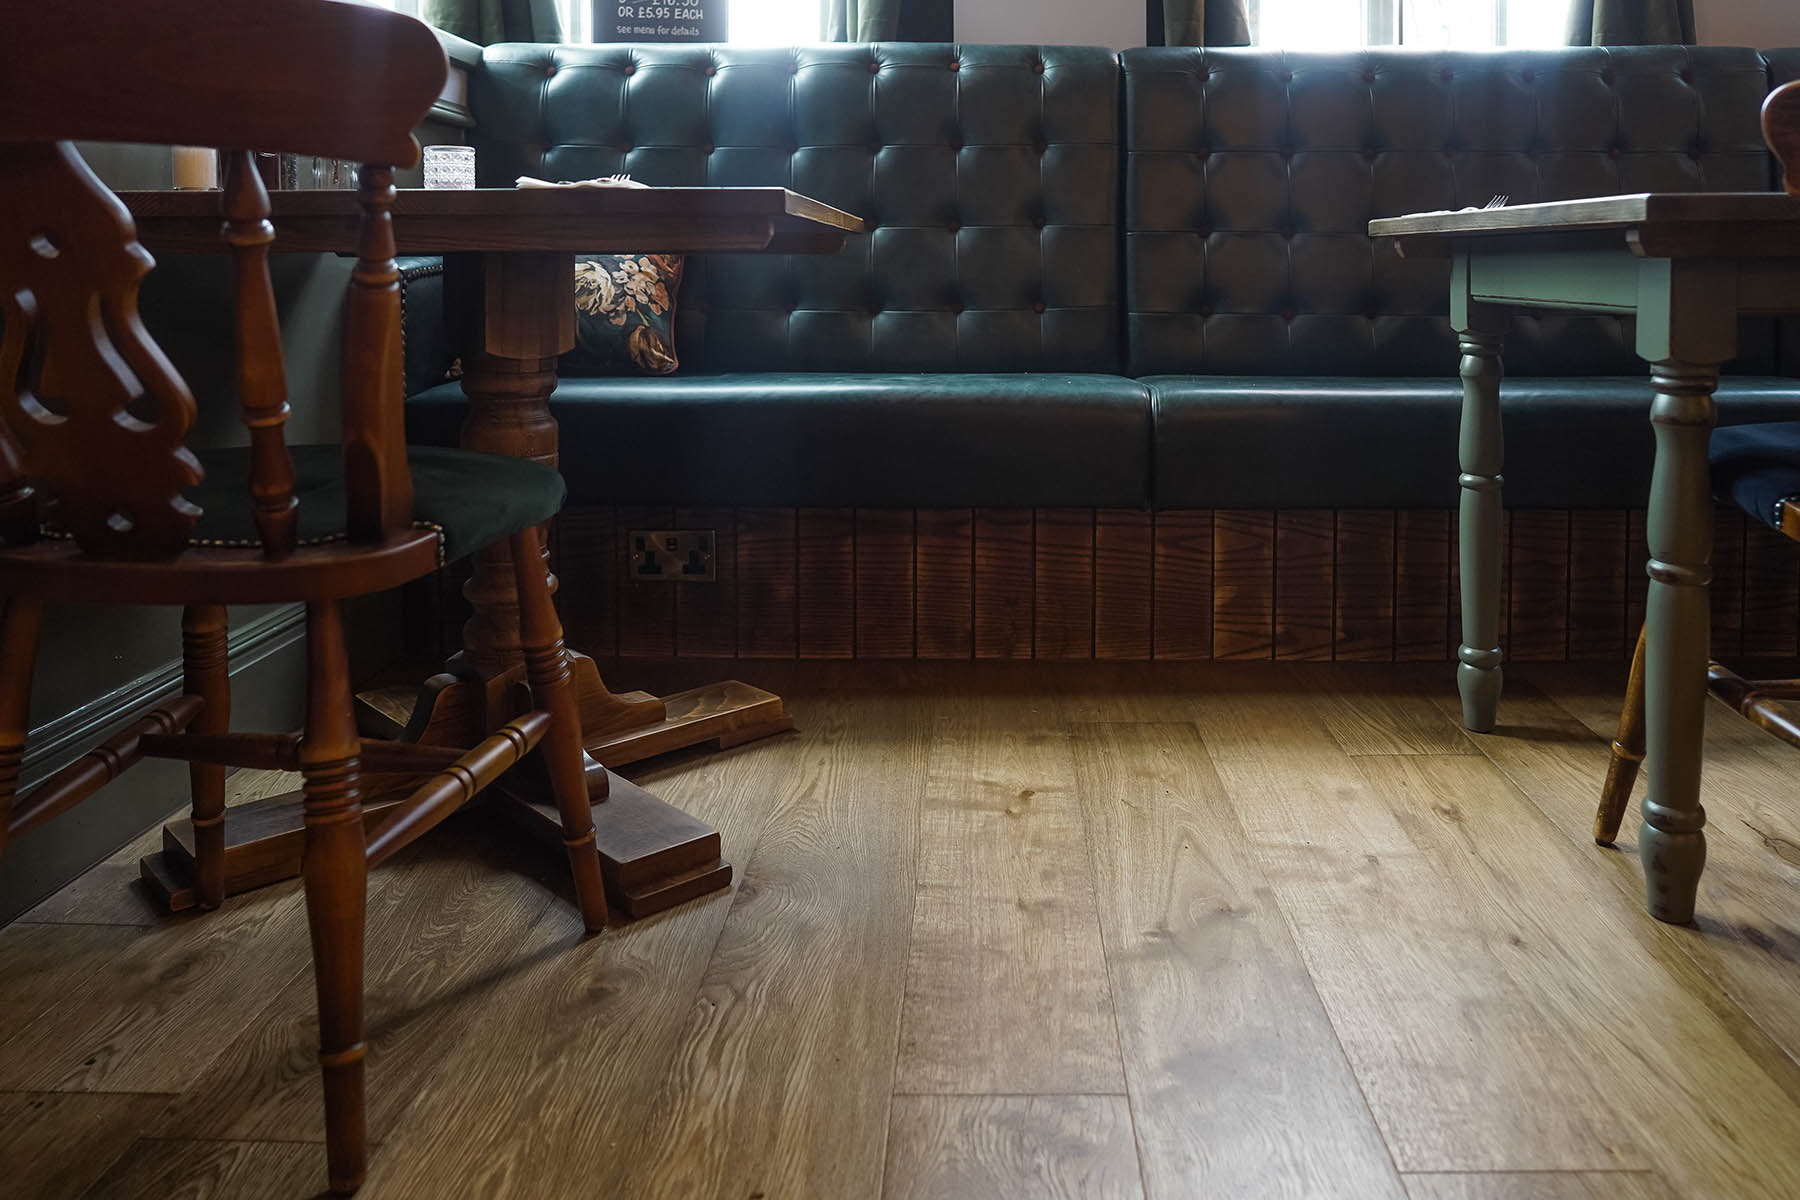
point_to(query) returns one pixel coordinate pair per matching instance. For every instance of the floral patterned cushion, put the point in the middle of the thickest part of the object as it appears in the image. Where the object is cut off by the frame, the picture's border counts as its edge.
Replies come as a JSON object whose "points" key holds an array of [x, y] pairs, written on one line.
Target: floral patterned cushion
{"points": [[625, 314]]}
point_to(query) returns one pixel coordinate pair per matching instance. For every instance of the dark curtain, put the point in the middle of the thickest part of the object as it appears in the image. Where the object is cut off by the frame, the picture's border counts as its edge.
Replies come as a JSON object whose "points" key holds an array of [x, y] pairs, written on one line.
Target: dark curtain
{"points": [[862, 20], [1631, 23], [1201, 22], [485, 22]]}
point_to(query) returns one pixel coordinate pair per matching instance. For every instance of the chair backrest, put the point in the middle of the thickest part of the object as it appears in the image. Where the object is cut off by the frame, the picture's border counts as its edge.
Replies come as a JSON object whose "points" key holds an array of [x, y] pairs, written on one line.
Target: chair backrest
{"points": [[1781, 129], [92, 413]]}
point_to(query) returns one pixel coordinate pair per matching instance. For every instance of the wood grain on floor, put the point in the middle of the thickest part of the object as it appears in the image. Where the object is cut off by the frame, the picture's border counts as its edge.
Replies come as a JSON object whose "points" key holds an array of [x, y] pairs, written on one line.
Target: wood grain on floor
{"points": [[998, 929]]}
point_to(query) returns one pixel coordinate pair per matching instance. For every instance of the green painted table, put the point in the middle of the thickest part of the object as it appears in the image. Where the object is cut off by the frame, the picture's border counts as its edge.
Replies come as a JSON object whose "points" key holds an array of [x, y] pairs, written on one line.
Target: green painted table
{"points": [[1686, 266]]}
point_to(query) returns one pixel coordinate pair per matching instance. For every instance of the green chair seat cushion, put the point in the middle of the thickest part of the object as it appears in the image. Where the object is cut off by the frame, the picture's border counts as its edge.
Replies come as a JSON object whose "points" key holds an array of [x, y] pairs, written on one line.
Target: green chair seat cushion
{"points": [[473, 499]]}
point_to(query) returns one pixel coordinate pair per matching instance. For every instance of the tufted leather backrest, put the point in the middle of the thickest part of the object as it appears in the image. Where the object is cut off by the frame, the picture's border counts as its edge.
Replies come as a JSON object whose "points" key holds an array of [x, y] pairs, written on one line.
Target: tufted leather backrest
{"points": [[1251, 176], [988, 176]]}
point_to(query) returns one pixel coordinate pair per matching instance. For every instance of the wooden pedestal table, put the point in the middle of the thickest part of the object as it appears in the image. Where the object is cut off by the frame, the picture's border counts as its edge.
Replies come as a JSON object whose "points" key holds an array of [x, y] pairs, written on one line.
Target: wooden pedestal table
{"points": [[509, 280], [1686, 266]]}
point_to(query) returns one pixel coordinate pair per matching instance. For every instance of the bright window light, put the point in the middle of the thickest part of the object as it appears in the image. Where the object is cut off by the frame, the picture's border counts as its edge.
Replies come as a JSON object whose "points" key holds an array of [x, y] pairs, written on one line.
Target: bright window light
{"points": [[1443, 24], [774, 22]]}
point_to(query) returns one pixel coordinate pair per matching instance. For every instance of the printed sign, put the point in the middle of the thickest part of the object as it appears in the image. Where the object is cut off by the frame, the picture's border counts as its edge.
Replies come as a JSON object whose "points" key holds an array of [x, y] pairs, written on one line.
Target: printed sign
{"points": [[649, 21]]}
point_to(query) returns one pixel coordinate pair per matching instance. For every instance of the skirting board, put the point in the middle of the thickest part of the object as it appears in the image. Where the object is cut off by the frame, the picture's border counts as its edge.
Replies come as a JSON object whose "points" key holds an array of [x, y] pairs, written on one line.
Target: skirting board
{"points": [[1075, 583], [268, 673]]}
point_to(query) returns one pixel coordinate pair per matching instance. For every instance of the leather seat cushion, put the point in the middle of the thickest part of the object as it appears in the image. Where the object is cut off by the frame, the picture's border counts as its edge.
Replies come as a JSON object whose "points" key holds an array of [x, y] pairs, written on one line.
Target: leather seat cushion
{"points": [[1252, 442], [1756, 467], [473, 499], [883, 440]]}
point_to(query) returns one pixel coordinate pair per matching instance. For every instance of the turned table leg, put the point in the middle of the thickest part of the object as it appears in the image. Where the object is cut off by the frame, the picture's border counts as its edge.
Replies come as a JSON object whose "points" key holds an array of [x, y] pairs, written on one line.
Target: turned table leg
{"points": [[1672, 843], [1478, 674]]}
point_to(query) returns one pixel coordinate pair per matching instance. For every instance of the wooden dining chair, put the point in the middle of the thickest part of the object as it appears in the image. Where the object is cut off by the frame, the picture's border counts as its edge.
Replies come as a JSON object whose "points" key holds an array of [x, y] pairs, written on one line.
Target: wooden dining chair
{"points": [[1756, 467], [102, 502]]}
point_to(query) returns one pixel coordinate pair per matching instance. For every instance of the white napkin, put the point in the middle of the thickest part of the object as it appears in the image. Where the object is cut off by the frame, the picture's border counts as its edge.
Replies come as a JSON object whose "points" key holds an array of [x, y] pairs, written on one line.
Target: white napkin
{"points": [[624, 181]]}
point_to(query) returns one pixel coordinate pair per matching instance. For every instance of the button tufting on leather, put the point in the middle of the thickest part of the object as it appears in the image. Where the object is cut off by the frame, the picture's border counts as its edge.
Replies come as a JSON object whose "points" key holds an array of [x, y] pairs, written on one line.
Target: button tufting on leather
{"points": [[1287, 77], [711, 70], [1528, 75], [631, 68], [955, 64], [709, 148], [1369, 75], [1037, 67], [1037, 222], [874, 66], [954, 226], [1288, 314], [1038, 307], [1042, 147], [1615, 151]]}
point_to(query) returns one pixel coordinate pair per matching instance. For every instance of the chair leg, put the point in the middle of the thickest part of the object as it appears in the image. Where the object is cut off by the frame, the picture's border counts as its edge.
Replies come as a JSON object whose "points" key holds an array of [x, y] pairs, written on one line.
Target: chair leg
{"points": [[23, 616], [206, 673], [547, 670], [1627, 755], [335, 871]]}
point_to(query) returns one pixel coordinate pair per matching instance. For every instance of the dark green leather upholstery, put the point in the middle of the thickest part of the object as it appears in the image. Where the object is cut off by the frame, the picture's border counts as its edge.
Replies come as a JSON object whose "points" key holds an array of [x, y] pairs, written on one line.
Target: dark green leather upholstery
{"points": [[1348, 442], [1292, 360], [474, 499], [988, 176], [1251, 177], [425, 333], [949, 439], [1757, 467]]}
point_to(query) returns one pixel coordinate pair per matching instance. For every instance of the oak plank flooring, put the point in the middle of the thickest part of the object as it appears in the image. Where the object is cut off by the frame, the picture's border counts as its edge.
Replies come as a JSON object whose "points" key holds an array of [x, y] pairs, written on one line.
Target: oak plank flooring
{"points": [[779, 1079], [1011, 1148], [58, 1144], [1006, 989], [1208, 985], [1540, 1185], [1260, 929]]}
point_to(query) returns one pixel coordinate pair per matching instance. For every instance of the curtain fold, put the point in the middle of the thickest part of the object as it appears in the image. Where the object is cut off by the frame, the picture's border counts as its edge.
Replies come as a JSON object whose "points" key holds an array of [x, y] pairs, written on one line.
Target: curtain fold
{"points": [[485, 22], [1205, 23], [1631, 23], [862, 20]]}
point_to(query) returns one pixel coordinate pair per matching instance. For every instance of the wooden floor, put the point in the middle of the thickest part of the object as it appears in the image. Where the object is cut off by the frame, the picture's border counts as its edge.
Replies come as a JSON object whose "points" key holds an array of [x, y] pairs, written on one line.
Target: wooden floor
{"points": [[1034, 931]]}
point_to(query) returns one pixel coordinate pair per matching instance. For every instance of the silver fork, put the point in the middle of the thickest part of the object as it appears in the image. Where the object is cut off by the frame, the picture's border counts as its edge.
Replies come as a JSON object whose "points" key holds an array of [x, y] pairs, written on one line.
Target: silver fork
{"points": [[1498, 201]]}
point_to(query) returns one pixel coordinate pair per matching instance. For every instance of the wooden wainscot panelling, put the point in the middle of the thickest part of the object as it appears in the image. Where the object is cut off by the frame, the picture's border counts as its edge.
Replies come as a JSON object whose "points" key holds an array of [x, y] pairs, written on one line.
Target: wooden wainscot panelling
{"points": [[1063, 583], [1003, 582], [885, 542], [1182, 584], [826, 539], [646, 609], [1122, 583], [1540, 586], [1771, 592], [1243, 576], [945, 582], [1303, 579], [586, 563], [1422, 585], [766, 593], [1363, 591], [706, 613], [1076, 583], [1597, 585]]}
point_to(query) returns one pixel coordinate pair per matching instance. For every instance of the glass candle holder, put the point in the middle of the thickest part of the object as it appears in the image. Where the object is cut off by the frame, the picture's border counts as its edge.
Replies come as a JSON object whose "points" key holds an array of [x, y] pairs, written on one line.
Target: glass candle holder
{"points": [[449, 167]]}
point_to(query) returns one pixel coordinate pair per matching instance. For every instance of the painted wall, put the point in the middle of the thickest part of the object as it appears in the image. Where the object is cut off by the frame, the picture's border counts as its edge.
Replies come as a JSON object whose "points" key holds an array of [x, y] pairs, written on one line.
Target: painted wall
{"points": [[1761, 23], [1114, 23]]}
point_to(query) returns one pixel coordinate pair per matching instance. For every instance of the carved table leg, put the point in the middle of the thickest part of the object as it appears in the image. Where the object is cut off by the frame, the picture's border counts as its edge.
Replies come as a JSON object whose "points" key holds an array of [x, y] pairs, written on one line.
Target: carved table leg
{"points": [[1672, 843], [1478, 674]]}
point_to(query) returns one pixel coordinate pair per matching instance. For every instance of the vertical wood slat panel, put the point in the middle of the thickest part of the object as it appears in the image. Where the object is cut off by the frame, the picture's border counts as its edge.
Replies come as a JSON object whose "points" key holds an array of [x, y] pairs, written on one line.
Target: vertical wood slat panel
{"points": [[706, 613], [586, 579], [1363, 604], [1727, 583], [884, 582], [1003, 582], [826, 542], [1182, 554], [1539, 596], [946, 583], [1122, 583], [1598, 581], [1063, 584], [1303, 583], [1421, 584], [1243, 579], [646, 609], [1771, 592], [767, 612]]}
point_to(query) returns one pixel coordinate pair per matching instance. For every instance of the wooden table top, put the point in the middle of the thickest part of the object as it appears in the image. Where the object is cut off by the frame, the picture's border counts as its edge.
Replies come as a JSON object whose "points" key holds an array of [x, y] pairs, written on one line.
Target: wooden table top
{"points": [[575, 220], [1654, 224]]}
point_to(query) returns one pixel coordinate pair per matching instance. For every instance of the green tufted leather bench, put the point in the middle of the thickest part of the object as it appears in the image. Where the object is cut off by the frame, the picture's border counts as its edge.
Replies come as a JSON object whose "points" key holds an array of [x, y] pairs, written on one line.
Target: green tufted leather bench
{"points": [[1113, 281]]}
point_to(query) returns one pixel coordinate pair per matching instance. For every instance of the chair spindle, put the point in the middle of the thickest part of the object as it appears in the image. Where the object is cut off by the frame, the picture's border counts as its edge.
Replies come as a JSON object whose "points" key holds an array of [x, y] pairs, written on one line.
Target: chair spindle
{"points": [[375, 471]]}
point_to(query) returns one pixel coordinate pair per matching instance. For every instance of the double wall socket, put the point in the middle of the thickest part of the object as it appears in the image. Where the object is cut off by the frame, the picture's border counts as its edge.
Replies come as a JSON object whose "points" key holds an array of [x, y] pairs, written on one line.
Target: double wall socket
{"points": [[673, 555]]}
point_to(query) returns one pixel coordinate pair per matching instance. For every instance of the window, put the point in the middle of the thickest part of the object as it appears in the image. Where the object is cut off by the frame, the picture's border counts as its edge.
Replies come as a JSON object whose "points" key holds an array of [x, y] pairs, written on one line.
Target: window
{"points": [[1446, 24], [753, 22]]}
